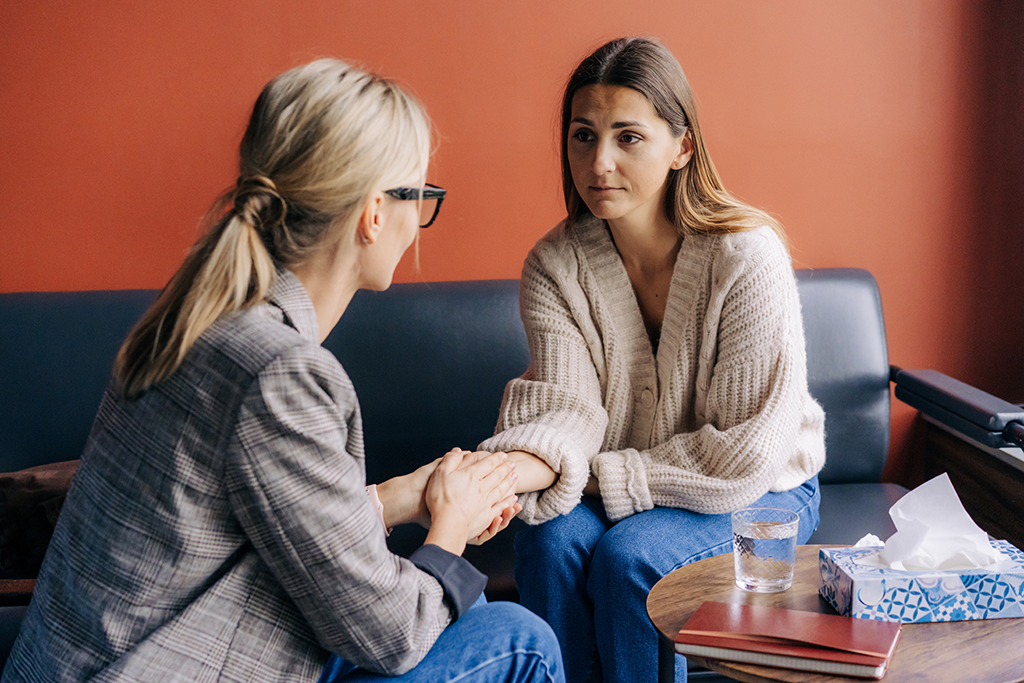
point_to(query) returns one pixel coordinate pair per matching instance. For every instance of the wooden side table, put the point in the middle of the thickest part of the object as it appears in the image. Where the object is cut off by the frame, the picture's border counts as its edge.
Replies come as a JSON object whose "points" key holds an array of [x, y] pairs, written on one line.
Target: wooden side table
{"points": [[985, 651]]}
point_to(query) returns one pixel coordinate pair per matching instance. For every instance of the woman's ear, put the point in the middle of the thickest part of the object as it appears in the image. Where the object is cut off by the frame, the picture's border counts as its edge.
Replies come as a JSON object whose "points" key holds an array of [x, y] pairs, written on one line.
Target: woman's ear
{"points": [[371, 222], [685, 151]]}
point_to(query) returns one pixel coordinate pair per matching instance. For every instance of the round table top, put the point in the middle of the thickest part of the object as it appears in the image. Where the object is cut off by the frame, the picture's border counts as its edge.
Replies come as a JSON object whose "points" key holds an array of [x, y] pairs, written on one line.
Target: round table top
{"points": [[984, 650]]}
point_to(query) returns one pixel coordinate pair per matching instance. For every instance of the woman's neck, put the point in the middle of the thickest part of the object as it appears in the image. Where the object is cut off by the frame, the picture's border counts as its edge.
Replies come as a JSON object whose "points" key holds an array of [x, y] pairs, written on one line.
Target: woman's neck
{"points": [[647, 248], [649, 254], [330, 278]]}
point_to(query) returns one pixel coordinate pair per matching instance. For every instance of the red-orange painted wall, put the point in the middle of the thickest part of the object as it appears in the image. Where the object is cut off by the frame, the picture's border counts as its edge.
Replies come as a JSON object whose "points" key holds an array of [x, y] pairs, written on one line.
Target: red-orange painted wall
{"points": [[860, 124]]}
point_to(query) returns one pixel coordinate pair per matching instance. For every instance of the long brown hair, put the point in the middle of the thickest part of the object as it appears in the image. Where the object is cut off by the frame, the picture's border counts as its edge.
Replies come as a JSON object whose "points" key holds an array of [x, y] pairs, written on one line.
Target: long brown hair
{"points": [[321, 138], [695, 201]]}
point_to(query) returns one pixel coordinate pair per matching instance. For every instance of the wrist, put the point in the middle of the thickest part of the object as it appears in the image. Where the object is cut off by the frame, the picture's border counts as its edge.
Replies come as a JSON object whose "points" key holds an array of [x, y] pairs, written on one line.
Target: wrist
{"points": [[534, 473], [447, 537], [403, 501]]}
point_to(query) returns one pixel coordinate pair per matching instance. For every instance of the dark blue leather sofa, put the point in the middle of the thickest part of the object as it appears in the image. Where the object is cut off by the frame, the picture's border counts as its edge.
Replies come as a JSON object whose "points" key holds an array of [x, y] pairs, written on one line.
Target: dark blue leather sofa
{"points": [[430, 362]]}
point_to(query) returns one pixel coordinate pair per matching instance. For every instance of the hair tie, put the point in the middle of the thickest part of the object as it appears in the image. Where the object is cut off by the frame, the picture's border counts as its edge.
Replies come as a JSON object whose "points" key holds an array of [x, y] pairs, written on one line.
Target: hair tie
{"points": [[258, 201]]}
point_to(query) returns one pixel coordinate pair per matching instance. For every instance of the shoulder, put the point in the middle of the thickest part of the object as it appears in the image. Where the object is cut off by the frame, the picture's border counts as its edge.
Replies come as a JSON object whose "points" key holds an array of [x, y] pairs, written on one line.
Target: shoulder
{"points": [[751, 253], [751, 247], [257, 343], [553, 248], [566, 250]]}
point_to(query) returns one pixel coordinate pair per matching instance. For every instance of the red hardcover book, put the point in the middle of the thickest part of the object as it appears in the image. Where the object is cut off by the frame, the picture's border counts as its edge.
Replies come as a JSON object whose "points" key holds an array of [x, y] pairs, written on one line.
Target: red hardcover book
{"points": [[790, 639]]}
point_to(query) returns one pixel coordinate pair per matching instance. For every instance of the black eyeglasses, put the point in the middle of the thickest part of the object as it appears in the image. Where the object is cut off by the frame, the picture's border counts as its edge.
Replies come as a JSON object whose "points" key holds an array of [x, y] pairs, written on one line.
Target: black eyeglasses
{"points": [[430, 198]]}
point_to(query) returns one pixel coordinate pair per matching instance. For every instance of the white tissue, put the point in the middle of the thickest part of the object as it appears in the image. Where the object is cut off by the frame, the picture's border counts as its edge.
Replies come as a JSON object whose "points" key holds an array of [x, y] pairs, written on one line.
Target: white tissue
{"points": [[934, 533], [869, 540]]}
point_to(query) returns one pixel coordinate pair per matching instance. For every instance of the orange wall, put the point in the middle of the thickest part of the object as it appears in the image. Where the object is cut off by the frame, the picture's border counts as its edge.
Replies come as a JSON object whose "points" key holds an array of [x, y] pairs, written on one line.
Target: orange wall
{"points": [[855, 122]]}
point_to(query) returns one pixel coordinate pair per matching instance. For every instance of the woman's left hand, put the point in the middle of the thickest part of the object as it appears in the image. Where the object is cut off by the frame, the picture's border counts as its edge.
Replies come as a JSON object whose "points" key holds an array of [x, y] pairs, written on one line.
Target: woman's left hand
{"points": [[403, 497]]}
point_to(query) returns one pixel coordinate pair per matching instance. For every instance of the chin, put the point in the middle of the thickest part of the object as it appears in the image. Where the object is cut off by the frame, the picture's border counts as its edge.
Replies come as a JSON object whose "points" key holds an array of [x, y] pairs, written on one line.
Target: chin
{"points": [[604, 209], [604, 213]]}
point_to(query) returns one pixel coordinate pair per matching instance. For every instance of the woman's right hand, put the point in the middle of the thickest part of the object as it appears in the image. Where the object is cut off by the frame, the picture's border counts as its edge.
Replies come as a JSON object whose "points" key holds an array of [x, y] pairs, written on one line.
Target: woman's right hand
{"points": [[465, 494], [500, 522]]}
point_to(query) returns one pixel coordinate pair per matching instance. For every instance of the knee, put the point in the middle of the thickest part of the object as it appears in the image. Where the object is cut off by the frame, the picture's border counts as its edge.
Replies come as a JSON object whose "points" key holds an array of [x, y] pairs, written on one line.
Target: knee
{"points": [[620, 565], [522, 630], [634, 555]]}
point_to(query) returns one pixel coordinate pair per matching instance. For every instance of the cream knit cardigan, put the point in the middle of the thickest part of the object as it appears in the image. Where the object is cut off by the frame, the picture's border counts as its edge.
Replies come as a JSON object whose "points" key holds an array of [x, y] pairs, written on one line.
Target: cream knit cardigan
{"points": [[721, 416]]}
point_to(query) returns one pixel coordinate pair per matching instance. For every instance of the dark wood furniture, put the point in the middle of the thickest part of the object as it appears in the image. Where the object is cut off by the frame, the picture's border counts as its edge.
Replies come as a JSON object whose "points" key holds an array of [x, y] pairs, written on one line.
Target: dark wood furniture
{"points": [[16, 592], [989, 481], [979, 651]]}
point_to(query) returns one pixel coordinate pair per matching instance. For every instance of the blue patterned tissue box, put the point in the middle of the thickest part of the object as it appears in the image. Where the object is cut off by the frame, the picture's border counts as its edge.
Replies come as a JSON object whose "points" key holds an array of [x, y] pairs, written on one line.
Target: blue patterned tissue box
{"points": [[916, 596]]}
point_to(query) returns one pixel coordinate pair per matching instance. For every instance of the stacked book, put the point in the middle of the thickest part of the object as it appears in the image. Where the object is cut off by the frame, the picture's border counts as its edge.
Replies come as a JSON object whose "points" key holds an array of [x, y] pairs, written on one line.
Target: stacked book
{"points": [[790, 639]]}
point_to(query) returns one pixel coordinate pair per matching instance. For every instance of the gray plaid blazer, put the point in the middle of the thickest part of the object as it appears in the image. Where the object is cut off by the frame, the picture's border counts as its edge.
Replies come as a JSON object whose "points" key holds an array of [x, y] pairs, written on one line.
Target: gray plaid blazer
{"points": [[218, 529]]}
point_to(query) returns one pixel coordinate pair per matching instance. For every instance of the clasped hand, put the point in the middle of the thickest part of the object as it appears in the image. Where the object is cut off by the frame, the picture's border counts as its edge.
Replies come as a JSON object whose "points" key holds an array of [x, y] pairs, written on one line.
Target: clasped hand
{"points": [[470, 496], [463, 497]]}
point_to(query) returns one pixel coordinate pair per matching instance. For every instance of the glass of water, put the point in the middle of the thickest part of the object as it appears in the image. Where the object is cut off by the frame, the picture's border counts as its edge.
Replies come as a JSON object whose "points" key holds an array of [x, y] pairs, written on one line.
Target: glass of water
{"points": [[764, 548]]}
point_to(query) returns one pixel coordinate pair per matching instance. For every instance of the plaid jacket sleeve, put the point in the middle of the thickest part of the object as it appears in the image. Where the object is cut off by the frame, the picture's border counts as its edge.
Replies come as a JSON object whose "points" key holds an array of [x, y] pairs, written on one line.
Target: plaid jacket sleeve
{"points": [[295, 478]]}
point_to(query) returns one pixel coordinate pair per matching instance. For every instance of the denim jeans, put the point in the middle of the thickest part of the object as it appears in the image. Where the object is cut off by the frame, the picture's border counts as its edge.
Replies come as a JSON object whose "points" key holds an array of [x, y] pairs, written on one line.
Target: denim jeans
{"points": [[497, 642], [589, 578]]}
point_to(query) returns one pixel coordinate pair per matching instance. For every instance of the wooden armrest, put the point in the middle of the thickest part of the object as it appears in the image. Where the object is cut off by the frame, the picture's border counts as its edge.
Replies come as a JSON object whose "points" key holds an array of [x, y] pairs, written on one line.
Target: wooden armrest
{"points": [[15, 592]]}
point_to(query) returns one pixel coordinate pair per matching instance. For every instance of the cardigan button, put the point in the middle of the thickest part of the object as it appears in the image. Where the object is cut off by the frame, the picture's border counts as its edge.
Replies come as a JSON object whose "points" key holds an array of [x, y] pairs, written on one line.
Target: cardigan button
{"points": [[647, 398]]}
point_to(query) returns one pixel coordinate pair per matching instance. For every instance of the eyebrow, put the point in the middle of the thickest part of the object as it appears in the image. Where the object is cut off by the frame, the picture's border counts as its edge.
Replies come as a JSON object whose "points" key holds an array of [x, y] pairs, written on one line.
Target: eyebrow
{"points": [[617, 124]]}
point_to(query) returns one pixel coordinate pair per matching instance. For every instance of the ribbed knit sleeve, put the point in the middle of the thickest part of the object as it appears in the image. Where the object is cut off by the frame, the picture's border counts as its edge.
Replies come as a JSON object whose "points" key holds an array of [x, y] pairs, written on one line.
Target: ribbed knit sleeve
{"points": [[757, 429], [554, 410]]}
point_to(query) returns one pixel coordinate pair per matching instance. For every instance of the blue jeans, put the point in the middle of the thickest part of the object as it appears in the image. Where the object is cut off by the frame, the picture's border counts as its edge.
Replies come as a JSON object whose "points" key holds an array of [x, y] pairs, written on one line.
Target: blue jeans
{"points": [[589, 578], [497, 642]]}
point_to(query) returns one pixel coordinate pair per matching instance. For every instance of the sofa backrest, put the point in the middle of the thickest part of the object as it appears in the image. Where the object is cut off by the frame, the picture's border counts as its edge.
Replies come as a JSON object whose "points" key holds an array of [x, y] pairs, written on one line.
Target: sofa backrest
{"points": [[429, 362], [56, 352], [847, 370]]}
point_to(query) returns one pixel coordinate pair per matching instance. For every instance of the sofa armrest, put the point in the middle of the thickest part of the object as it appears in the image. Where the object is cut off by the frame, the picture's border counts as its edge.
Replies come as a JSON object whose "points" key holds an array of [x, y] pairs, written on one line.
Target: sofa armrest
{"points": [[960, 407], [973, 437]]}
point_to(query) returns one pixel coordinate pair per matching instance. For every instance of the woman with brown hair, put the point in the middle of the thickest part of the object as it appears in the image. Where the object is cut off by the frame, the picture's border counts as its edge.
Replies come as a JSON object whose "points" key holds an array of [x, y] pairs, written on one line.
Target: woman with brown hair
{"points": [[219, 527], [668, 375]]}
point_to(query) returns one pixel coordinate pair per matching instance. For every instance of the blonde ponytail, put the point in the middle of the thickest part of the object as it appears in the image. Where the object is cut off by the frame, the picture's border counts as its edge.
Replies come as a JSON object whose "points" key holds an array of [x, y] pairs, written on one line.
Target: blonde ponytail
{"points": [[228, 270], [320, 139]]}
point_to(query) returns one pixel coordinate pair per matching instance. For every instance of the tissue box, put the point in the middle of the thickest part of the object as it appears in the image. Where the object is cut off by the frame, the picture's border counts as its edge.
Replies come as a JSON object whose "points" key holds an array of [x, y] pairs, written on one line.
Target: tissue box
{"points": [[919, 596]]}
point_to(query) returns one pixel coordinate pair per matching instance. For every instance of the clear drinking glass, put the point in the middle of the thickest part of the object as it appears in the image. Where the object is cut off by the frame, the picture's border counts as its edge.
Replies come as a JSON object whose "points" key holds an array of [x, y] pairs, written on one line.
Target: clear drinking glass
{"points": [[764, 548]]}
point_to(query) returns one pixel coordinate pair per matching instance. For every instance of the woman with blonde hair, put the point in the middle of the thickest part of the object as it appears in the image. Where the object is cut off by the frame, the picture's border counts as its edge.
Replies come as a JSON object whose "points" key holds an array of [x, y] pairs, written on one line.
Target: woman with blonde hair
{"points": [[219, 527], [667, 380]]}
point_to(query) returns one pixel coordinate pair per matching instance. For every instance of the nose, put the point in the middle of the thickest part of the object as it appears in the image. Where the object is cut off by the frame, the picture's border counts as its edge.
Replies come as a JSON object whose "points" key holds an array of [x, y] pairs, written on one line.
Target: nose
{"points": [[604, 159]]}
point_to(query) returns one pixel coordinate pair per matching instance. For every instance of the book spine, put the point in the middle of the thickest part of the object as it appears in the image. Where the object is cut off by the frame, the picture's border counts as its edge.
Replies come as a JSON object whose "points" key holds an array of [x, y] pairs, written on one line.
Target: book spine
{"points": [[782, 661]]}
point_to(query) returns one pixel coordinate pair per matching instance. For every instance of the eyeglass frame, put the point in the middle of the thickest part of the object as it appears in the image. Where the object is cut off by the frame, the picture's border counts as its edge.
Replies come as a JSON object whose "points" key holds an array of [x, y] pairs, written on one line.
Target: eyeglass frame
{"points": [[428, 191]]}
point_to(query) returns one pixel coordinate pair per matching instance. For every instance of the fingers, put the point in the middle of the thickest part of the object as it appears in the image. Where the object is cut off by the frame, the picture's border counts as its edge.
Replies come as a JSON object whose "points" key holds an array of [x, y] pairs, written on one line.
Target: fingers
{"points": [[451, 460], [500, 514], [490, 532], [494, 472], [483, 462], [497, 474], [499, 523], [471, 458], [458, 458], [508, 513], [504, 510]]}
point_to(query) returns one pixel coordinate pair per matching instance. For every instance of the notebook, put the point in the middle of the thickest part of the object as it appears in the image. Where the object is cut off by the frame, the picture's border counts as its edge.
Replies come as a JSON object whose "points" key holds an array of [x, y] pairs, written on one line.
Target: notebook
{"points": [[790, 639]]}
